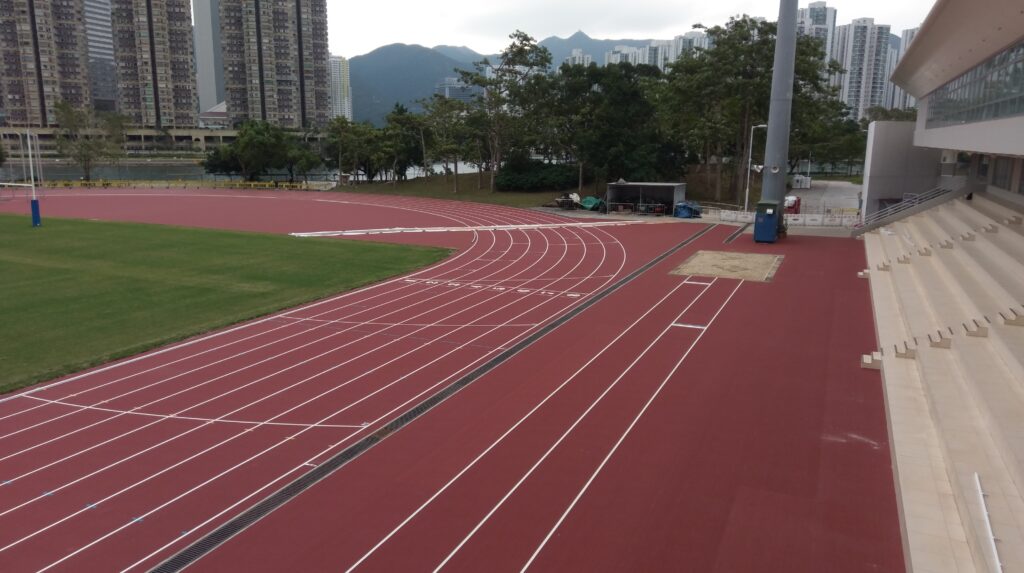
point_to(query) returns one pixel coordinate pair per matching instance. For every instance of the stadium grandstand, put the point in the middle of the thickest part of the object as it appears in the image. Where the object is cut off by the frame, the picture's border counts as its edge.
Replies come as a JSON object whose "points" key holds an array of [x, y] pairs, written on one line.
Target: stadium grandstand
{"points": [[945, 242]]}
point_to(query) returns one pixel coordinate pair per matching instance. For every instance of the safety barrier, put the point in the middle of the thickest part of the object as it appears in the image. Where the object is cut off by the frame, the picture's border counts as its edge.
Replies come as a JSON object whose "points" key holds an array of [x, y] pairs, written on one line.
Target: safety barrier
{"points": [[178, 184]]}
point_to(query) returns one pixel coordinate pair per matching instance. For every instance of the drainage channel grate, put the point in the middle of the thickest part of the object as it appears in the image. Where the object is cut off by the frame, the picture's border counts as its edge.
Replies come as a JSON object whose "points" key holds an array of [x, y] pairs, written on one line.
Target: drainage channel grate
{"points": [[210, 541], [735, 235]]}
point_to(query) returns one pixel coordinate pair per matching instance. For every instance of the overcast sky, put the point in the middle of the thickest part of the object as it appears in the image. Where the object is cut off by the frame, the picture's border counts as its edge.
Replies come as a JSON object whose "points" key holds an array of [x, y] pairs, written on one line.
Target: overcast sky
{"points": [[484, 25]]}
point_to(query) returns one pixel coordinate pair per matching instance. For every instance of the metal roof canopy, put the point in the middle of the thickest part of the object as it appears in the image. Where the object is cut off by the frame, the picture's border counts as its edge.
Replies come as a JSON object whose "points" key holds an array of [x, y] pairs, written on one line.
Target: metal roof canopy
{"points": [[956, 36], [667, 194]]}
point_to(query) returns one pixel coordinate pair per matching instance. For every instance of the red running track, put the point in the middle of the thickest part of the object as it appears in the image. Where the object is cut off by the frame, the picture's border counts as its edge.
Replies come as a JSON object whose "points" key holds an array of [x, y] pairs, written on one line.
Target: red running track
{"points": [[642, 443]]}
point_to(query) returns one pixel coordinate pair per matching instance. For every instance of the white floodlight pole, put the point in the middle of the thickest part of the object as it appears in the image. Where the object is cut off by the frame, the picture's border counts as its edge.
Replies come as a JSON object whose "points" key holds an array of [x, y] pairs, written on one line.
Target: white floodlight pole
{"points": [[750, 161]]}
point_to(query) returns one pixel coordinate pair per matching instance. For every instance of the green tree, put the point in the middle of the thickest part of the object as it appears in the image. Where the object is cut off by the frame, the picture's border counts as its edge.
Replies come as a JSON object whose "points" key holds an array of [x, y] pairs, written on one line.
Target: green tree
{"points": [[300, 159], [404, 134], [89, 139], [222, 161], [714, 96], [259, 147], [885, 114], [446, 119], [503, 84]]}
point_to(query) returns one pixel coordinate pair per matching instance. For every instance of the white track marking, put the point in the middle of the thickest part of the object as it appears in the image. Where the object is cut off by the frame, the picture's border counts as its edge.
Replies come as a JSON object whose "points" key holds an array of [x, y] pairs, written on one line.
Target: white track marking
{"points": [[446, 212], [692, 326], [251, 383], [511, 429], [379, 419], [398, 230], [268, 318], [599, 265], [295, 407], [192, 419], [386, 304], [305, 429], [155, 353], [629, 429]]}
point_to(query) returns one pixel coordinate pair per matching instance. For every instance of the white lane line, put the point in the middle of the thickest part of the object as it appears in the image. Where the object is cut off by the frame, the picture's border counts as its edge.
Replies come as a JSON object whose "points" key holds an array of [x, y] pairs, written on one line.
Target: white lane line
{"points": [[629, 429], [518, 423], [693, 326], [135, 412], [400, 407], [398, 230], [569, 431], [604, 256]]}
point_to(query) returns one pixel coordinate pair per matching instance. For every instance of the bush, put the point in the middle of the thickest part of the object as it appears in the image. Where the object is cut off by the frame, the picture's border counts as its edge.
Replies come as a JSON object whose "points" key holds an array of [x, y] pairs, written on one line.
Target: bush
{"points": [[537, 176]]}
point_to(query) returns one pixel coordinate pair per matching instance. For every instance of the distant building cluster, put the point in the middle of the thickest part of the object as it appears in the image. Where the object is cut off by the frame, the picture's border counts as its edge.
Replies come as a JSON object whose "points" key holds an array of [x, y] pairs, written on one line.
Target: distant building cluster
{"points": [[868, 53], [269, 60], [243, 59], [659, 53], [455, 88]]}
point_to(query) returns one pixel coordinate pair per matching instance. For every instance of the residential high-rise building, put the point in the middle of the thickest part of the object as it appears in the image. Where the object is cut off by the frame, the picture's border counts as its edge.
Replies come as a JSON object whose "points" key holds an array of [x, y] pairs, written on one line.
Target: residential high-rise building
{"points": [[102, 69], [818, 21], [455, 88], [341, 88], [154, 50], [275, 61], [43, 60], [901, 98], [862, 49], [578, 58], [209, 62], [888, 100]]}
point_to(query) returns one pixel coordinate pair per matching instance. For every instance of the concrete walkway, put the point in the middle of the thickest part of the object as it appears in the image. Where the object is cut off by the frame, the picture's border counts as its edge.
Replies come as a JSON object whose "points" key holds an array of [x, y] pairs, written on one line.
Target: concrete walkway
{"points": [[829, 195]]}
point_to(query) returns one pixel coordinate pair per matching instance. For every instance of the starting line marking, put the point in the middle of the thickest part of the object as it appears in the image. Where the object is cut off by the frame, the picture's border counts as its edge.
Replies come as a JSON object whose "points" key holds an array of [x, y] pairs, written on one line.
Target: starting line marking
{"points": [[693, 326], [397, 230]]}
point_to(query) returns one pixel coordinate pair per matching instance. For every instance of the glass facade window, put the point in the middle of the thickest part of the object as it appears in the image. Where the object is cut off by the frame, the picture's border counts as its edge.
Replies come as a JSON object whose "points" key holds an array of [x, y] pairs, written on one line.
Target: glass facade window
{"points": [[1003, 173], [983, 162], [991, 90]]}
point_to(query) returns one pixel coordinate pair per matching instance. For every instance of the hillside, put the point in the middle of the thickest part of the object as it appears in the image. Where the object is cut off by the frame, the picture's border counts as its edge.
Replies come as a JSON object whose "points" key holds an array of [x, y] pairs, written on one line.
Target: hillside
{"points": [[459, 53], [398, 73]]}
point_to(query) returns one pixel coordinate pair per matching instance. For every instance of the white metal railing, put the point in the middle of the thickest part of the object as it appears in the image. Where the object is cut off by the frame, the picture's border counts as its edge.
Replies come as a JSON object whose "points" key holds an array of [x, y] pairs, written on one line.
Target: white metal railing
{"points": [[997, 564], [911, 200]]}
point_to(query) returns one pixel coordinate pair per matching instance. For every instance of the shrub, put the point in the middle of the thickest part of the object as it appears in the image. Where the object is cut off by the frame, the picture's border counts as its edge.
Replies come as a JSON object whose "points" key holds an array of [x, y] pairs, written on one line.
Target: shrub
{"points": [[537, 176]]}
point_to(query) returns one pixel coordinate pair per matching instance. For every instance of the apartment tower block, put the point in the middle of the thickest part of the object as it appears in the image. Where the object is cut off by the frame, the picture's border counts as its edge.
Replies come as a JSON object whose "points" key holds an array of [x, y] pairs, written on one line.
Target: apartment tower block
{"points": [[43, 60], [153, 47], [275, 58]]}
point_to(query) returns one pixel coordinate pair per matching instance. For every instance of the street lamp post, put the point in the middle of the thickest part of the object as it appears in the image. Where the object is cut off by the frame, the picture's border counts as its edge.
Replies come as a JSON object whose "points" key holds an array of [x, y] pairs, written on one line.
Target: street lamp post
{"points": [[750, 161]]}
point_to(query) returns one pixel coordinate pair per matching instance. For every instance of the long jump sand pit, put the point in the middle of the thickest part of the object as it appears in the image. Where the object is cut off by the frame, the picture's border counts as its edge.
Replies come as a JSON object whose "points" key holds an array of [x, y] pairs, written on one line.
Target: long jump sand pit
{"points": [[724, 264]]}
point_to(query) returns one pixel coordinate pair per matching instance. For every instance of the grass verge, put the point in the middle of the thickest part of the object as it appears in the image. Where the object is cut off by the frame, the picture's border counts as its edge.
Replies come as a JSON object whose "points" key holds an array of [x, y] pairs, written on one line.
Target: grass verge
{"points": [[74, 294]]}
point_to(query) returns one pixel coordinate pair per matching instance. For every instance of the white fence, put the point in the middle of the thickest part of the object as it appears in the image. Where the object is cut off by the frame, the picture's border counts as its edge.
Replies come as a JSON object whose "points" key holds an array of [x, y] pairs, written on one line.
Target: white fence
{"points": [[847, 218]]}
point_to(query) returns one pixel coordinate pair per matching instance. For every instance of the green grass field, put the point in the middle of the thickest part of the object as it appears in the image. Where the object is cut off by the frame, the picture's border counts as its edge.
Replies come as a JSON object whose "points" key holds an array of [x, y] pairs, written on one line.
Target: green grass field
{"points": [[74, 294], [438, 187]]}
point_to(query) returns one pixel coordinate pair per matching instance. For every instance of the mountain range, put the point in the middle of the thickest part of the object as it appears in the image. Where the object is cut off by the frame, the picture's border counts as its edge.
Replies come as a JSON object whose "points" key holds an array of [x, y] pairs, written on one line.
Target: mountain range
{"points": [[406, 74]]}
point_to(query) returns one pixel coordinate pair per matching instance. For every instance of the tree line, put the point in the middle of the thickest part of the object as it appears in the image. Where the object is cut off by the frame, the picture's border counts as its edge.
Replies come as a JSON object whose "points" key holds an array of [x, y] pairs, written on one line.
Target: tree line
{"points": [[531, 124], [532, 127]]}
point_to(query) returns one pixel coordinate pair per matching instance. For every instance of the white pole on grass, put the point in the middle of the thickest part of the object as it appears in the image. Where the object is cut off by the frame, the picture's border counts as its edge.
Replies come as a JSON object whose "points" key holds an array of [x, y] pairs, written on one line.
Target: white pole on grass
{"points": [[750, 162]]}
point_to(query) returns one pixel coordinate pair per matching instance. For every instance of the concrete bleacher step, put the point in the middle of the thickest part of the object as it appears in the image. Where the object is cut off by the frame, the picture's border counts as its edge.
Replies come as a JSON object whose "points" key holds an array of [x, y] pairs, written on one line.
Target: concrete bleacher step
{"points": [[962, 292], [969, 374], [1003, 272], [1011, 217], [937, 524]]}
